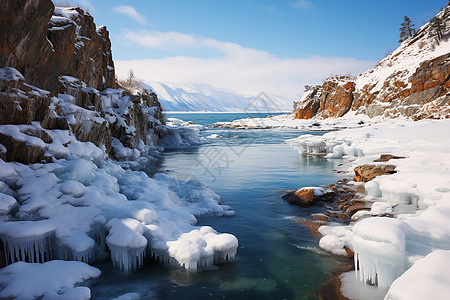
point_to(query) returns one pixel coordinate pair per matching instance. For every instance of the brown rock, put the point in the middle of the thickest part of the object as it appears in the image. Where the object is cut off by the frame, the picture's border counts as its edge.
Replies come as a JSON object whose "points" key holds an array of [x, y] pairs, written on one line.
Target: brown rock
{"points": [[22, 152], [387, 157], [332, 99], [305, 197], [366, 173], [312, 225], [42, 50]]}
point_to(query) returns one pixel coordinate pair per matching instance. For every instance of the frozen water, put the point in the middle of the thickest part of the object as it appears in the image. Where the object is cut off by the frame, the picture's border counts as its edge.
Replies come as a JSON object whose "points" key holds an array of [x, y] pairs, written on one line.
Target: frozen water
{"points": [[127, 243], [31, 241], [379, 245]]}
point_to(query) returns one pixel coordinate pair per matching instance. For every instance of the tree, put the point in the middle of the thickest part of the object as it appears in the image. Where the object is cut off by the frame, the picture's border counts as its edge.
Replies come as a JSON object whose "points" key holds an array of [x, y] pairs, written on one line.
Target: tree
{"points": [[437, 26], [407, 29]]}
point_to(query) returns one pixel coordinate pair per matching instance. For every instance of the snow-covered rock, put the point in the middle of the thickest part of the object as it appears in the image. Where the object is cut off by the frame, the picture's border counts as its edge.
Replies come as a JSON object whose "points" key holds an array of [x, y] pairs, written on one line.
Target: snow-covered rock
{"points": [[412, 81]]}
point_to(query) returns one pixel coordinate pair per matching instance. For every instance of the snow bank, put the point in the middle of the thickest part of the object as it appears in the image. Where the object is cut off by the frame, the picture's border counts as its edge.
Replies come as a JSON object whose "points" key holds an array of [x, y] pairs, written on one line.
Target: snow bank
{"points": [[80, 201], [379, 245], [418, 195], [428, 278], [288, 121], [50, 280]]}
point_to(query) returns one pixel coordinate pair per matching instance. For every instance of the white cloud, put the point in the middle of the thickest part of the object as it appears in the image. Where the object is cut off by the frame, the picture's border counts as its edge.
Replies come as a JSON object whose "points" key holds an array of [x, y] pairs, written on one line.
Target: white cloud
{"points": [[130, 11], [235, 67], [302, 4]]}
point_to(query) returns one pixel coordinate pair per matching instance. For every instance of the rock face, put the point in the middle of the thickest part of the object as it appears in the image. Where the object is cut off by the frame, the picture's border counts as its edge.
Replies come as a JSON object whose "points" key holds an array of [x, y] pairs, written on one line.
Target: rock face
{"points": [[333, 98], [43, 43], [413, 81], [57, 72], [366, 173]]}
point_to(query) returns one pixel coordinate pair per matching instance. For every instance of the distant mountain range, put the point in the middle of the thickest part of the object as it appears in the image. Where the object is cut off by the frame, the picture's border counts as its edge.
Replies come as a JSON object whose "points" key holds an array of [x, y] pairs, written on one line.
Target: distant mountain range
{"points": [[180, 97]]}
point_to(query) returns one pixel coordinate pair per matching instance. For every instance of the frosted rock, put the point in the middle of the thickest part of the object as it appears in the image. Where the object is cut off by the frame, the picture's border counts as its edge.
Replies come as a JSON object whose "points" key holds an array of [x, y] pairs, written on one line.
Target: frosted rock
{"points": [[31, 241], [50, 280], [379, 246], [127, 243]]}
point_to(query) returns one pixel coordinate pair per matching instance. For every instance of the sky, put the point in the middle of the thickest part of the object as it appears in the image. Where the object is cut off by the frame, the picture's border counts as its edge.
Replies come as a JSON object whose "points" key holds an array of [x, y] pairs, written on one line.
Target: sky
{"points": [[253, 46]]}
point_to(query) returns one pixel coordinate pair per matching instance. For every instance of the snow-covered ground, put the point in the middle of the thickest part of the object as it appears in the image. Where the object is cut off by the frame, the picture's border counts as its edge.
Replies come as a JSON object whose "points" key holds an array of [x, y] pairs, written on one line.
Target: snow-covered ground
{"points": [[287, 121], [411, 249], [205, 98]]}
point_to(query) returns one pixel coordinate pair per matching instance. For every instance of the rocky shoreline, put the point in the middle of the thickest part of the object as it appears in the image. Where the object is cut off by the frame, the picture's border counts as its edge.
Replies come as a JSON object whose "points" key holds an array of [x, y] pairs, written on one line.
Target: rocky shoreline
{"points": [[342, 201]]}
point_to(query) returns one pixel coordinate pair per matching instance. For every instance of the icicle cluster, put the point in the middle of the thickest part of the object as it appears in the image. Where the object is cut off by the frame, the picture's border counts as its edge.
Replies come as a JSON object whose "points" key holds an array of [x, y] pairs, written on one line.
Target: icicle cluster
{"points": [[28, 241], [379, 246]]}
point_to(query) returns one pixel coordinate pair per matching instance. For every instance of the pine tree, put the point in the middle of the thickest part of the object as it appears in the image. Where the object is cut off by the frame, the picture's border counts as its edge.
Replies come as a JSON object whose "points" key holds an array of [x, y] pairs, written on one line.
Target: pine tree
{"points": [[407, 29], [437, 26]]}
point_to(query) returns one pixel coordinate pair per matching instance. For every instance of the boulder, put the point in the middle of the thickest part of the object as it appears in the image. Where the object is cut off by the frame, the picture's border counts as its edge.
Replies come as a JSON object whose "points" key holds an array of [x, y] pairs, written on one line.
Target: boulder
{"points": [[309, 196], [368, 172]]}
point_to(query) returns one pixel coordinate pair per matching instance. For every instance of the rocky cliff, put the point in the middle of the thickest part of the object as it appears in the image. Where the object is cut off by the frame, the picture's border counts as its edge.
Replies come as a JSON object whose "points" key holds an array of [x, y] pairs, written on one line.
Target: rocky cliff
{"points": [[413, 81], [57, 73]]}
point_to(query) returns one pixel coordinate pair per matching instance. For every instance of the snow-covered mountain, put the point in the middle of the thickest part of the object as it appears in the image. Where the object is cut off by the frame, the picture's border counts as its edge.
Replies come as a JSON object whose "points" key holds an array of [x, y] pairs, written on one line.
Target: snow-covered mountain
{"points": [[181, 97]]}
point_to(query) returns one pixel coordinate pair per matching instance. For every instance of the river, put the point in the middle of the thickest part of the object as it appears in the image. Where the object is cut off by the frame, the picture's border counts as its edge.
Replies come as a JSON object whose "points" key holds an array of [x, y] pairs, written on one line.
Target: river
{"points": [[250, 169]]}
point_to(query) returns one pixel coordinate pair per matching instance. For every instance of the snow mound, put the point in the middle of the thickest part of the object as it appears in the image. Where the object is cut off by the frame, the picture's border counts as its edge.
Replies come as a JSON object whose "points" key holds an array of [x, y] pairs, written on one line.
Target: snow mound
{"points": [[50, 280], [428, 278]]}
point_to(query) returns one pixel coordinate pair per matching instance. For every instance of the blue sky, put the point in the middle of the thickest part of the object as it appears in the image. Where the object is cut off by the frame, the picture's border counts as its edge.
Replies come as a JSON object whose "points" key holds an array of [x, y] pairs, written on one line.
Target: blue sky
{"points": [[253, 44]]}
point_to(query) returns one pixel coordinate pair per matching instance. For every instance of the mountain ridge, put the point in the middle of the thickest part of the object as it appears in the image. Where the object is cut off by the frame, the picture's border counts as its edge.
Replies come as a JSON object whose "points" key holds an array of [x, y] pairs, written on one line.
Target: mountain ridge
{"points": [[206, 98]]}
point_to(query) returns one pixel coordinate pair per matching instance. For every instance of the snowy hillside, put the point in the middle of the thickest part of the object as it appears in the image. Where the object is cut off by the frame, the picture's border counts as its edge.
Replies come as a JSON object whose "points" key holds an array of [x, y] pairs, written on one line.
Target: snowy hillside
{"points": [[178, 97], [413, 81]]}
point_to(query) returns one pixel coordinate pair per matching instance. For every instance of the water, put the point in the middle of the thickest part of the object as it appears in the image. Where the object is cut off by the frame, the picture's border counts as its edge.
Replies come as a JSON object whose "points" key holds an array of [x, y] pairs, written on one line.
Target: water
{"points": [[277, 257]]}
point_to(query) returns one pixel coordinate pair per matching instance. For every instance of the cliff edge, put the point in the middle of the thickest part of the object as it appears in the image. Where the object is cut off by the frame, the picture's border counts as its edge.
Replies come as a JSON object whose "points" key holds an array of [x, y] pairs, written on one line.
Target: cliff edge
{"points": [[57, 73]]}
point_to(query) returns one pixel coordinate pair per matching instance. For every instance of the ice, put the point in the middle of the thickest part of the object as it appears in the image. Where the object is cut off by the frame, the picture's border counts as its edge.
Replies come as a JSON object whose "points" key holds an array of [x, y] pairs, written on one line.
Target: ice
{"points": [[428, 278], [180, 136], [379, 245], [354, 289], [202, 248], [128, 296], [127, 243], [50, 280], [31, 241]]}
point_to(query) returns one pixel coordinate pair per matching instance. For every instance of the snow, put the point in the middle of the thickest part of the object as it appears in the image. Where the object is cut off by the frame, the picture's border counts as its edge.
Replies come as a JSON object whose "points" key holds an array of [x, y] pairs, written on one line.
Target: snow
{"points": [[50, 280], [7, 202], [417, 196], [288, 121], [203, 247], [205, 98], [127, 243], [428, 278], [10, 74]]}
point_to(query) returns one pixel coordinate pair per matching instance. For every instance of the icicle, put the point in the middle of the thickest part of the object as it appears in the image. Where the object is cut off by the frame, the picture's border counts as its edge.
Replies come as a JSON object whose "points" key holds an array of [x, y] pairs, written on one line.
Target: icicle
{"points": [[127, 259], [30, 241], [379, 245]]}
